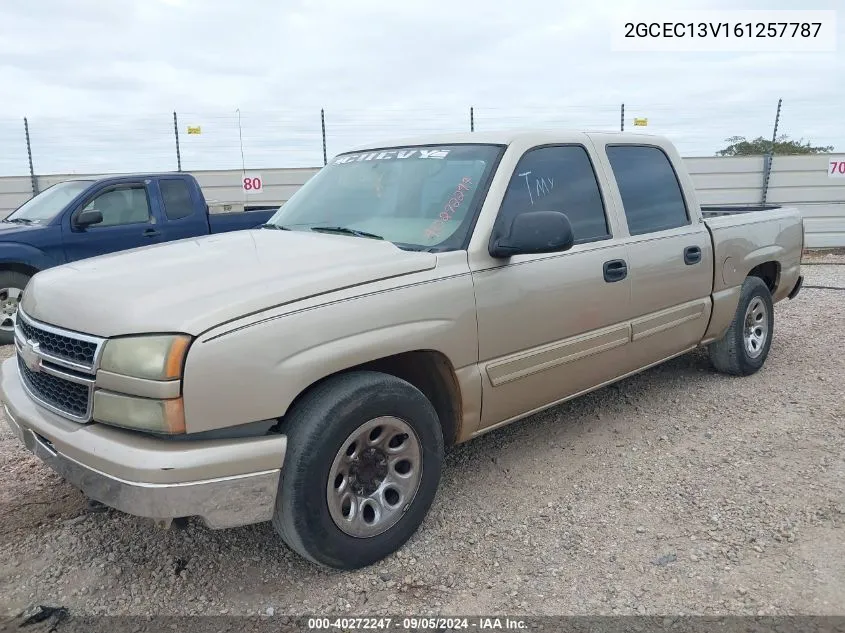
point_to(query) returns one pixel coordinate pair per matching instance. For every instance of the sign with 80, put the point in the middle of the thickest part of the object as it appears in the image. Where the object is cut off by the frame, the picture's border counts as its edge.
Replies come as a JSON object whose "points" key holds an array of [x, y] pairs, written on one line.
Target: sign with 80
{"points": [[252, 184]]}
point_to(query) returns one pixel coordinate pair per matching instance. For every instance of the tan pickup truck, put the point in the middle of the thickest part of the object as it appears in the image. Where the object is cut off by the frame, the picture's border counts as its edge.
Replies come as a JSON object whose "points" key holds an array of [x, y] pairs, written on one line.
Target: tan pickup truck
{"points": [[409, 297]]}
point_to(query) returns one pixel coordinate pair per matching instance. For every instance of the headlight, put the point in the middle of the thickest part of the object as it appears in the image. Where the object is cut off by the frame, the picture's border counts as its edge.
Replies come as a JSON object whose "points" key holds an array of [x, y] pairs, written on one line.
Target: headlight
{"points": [[154, 357], [142, 414]]}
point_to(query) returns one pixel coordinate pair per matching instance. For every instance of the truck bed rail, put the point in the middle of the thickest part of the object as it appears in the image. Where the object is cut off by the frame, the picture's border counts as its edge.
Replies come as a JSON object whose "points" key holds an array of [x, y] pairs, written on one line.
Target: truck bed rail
{"points": [[715, 210]]}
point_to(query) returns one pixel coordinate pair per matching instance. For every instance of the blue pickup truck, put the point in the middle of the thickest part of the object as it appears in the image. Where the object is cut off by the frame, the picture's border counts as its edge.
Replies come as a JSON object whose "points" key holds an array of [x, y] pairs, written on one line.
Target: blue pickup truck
{"points": [[83, 218]]}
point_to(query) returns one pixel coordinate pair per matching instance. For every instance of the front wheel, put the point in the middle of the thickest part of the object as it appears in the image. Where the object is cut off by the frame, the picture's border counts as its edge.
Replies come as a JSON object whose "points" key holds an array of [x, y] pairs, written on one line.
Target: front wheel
{"points": [[12, 284], [745, 346], [365, 450]]}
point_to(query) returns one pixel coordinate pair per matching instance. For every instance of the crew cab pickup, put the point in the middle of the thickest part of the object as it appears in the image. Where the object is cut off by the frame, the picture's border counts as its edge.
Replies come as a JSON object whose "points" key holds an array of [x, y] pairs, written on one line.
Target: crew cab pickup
{"points": [[410, 296], [86, 217]]}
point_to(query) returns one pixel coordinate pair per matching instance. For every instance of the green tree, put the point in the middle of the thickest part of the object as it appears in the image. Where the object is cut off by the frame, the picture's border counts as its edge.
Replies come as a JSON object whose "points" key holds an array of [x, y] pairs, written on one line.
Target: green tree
{"points": [[783, 145]]}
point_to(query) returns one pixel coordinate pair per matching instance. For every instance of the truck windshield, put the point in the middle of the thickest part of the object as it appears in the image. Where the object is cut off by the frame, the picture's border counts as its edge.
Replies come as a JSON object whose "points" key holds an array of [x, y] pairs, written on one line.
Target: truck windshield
{"points": [[421, 198], [47, 204]]}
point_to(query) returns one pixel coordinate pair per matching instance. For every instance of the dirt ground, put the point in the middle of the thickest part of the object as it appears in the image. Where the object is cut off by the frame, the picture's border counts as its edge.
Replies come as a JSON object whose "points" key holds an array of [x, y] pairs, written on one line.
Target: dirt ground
{"points": [[678, 491]]}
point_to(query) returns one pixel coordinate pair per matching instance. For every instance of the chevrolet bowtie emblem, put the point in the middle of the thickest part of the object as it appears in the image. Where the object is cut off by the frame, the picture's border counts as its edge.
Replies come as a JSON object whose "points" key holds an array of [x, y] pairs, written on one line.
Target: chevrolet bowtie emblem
{"points": [[29, 354]]}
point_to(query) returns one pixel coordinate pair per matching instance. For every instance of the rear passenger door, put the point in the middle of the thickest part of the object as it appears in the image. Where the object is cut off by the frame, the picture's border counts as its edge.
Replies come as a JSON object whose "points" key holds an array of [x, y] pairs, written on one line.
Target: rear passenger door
{"points": [[670, 258], [182, 210]]}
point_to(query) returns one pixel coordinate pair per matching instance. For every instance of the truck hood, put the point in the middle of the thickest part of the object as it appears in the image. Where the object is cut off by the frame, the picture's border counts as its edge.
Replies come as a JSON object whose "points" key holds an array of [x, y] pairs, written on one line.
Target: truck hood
{"points": [[195, 284], [12, 232]]}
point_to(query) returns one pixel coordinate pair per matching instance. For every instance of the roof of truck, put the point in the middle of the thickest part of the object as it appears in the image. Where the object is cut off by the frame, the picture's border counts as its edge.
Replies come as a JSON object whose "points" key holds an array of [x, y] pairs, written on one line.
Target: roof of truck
{"points": [[134, 175], [497, 137]]}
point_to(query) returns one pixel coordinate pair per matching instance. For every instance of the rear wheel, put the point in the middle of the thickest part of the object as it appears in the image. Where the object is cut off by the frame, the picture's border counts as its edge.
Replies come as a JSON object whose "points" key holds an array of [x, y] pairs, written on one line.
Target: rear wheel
{"points": [[365, 451], [12, 284], [745, 346]]}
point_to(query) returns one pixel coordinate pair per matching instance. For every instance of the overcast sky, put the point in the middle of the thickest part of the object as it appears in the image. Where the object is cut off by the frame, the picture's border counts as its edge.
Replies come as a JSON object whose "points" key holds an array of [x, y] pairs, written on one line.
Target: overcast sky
{"points": [[99, 79]]}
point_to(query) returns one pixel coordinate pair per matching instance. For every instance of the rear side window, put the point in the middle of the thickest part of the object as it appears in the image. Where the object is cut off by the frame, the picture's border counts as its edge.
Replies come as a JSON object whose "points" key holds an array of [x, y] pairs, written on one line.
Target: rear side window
{"points": [[557, 178], [649, 188], [177, 198]]}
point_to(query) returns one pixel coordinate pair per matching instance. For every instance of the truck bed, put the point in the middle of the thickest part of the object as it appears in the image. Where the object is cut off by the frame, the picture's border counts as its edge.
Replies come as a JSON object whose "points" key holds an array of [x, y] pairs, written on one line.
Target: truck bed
{"points": [[715, 210], [744, 237]]}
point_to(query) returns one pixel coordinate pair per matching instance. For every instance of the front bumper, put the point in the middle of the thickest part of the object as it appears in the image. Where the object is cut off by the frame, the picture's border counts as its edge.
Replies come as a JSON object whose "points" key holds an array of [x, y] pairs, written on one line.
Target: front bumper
{"points": [[226, 483]]}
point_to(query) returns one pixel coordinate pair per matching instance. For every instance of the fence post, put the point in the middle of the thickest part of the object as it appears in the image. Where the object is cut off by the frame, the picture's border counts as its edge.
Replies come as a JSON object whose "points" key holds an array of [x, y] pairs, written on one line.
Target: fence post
{"points": [[33, 180], [770, 157], [323, 126], [176, 132], [471, 119], [622, 119]]}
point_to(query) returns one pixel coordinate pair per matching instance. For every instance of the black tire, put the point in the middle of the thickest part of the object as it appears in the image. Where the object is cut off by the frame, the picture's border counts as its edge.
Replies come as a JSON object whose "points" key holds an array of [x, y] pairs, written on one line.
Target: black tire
{"points": [[730, 355], [9, 279], [316, 429]]}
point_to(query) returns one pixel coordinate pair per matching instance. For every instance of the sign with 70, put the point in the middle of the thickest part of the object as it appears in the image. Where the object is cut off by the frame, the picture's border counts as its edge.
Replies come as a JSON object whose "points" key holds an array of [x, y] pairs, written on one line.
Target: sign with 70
{"points": [[836, 168]]}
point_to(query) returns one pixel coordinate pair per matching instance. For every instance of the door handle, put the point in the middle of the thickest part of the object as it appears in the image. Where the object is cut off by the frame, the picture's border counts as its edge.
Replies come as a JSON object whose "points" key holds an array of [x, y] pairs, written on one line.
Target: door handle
{"points": [[615, 270], [151, 233], [692, 255]]}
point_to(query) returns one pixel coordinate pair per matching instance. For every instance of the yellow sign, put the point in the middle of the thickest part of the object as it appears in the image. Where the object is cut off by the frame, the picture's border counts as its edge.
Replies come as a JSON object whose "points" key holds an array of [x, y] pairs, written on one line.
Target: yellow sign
{"points": [[640, 121], [194, 129]]}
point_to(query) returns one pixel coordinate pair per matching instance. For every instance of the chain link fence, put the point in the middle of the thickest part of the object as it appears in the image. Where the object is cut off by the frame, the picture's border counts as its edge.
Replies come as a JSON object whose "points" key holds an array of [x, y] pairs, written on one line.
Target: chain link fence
{"points": [[254, 139]]}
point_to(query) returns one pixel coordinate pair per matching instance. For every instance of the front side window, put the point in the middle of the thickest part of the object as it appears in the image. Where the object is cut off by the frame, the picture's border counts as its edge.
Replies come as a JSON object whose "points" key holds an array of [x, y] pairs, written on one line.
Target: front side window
{"points": [[124, 204], [649, 188], [421, 198], [557, 178]]}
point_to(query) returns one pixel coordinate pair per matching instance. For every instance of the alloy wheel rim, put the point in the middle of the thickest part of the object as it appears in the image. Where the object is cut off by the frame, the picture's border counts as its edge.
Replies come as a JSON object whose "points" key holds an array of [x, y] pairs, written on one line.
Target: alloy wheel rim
{"points": [[9, 299], [374, 477], [756, 327]]}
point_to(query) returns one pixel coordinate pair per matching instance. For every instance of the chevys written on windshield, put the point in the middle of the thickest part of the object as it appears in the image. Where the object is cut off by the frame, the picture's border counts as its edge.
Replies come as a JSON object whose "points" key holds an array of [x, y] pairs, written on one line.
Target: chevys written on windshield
{"points": [[392, 154]]}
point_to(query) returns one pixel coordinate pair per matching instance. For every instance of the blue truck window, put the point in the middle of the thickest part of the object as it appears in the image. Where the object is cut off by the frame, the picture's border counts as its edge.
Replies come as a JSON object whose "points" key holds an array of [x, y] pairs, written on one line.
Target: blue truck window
{"points": [[177, 198], [125, 204]]}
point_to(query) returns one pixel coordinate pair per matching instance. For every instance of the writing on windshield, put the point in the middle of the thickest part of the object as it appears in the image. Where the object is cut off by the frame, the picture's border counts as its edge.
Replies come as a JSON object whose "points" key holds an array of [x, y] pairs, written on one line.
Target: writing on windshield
{"points": [[449, 208], [416, 197], [391, 154]]}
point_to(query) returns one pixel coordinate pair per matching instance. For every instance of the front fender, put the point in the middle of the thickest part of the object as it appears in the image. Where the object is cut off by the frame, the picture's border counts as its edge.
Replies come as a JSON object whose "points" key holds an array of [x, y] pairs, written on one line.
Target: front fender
{"points": [[25, 255], [255, 372]]}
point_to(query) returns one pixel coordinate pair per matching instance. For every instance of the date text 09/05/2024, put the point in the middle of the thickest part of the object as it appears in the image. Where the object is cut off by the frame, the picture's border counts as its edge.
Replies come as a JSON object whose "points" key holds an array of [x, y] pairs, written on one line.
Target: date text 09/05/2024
{"points": [[416, 624]]}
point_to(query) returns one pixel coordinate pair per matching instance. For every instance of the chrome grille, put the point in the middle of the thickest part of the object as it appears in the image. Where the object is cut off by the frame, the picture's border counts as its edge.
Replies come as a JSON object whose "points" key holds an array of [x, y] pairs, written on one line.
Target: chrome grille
{"points": [[59, 393], [77, 350], [57, 366]]}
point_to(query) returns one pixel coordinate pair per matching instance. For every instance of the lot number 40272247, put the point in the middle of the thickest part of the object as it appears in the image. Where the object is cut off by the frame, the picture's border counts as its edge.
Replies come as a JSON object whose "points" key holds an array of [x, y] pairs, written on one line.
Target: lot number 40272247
{"points": [[836, 168]]}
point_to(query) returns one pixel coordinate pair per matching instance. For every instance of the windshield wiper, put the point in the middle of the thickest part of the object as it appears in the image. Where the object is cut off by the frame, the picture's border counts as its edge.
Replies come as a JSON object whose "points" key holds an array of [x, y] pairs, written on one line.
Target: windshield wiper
{"points": [[19, 221], [345, 230], [277, 227]]}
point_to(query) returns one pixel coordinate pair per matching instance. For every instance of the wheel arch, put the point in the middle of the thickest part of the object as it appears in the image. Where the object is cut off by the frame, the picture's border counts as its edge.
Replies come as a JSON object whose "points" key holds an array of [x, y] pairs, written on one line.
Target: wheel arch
{"points": [[19, 267], [769, 272], [428, 370]]}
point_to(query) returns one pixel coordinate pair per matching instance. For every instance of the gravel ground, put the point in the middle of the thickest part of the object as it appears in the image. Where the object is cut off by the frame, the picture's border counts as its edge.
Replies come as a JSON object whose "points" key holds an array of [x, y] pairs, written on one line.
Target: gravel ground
{"points": [[678, 491]]}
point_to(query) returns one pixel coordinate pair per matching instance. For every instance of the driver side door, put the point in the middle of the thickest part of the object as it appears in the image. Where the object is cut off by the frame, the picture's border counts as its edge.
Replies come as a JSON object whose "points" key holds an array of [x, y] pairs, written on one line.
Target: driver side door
{"points": [[552, 325], [128, 222]]}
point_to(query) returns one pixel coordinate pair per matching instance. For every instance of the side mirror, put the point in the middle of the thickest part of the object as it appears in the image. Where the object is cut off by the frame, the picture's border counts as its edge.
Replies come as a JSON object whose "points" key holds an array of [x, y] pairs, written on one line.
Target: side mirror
{"points": [[87, 218], [534, 232]]}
